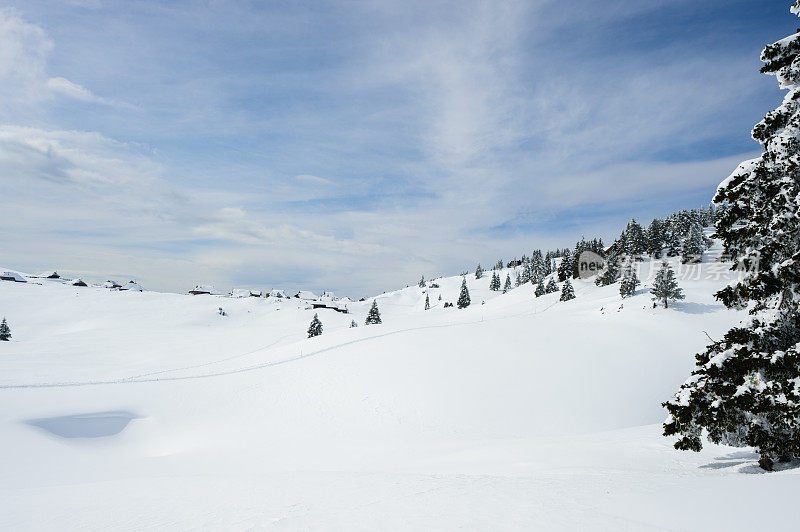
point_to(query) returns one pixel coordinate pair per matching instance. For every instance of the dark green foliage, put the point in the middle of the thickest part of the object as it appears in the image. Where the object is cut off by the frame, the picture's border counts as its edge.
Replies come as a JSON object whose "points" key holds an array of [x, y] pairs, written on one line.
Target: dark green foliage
{"points": [[744, 390], [494, 285], [629, 282], [421, 283], [478, 272], [5, 331], [463, 297], [539, 289], [565, 267], [427, 302], [665, 286], [507, 286], [315, 329], [567, 292], [551, 286], [374, 315], [611, 274]]}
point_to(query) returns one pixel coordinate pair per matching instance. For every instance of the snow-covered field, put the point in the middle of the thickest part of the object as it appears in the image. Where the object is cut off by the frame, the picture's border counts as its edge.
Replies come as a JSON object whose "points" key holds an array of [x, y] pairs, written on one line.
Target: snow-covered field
{"points": [[150, 410]]}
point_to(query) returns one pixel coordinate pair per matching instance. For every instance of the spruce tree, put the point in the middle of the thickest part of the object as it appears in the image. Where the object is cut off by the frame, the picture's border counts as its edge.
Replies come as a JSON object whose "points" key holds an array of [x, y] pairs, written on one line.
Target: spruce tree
{"points": [[5, 331], [463, 297], [655, 238], [665, 286], [565, 268], [478, 272], [611, 274], [635, 238], [374, 315], [539, 289], [494, 285], [421, 283], [567, 291], [315, 329], [627, 287], [743, 391], [551, 286], [694, 245], [427, 302], [507, 286]]}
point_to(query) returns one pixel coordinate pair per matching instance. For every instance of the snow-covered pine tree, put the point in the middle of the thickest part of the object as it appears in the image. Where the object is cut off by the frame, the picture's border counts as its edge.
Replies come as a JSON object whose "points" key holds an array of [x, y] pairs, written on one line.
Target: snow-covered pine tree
{"points": [[421, 283], [499, 264], [463, 297], [567, 292], [507, 286], [353, 324], [427, 302], [551, 286], [744, 389], [629, 282], [315, 329], [478, 271], [565, 268], [539, 289], [374, 315], [655, 238], [5, 331], [694, 245], [635, 238], [665, 286], [611, 274], [494, 285]]}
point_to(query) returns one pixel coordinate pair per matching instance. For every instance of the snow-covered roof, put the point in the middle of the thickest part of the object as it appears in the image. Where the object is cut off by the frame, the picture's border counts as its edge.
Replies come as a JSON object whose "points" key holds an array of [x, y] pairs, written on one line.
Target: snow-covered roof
{"points": [[328, 295], [12, 276], [50, 274], [78, 282], [240, 292], [204, 289], [111, 284], [277, 293], [306, 295], [133, 286]]}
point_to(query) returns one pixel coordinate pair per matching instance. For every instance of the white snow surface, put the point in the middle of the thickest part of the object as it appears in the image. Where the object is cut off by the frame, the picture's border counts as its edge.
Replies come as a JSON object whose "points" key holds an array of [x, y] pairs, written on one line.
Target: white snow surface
{"points": [[145, 410]]}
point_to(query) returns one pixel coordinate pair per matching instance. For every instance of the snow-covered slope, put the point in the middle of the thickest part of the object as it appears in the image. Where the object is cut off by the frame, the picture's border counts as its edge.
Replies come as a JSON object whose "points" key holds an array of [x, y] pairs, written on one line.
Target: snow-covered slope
{"points": [[150, 410]]}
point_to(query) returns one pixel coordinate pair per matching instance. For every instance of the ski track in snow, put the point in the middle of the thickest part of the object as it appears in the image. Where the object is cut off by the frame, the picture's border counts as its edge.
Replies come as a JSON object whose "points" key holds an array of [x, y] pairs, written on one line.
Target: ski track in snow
{"points": [[137, 379]]}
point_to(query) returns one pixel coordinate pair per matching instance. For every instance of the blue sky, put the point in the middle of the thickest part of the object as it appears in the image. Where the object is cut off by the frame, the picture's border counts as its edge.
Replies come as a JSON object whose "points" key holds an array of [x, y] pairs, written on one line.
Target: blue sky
{"points": [[356, 145]]}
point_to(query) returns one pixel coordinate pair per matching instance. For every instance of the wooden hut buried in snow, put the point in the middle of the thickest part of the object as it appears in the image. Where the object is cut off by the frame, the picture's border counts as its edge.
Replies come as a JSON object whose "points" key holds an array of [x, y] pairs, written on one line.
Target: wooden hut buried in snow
{"points": [[203, 289], [132, 286], [12, 276]]}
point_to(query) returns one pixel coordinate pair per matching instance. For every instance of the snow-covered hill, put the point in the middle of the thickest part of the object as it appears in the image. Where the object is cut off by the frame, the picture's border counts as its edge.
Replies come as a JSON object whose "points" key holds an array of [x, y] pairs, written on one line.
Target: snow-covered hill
{"points": [[151, 410]]}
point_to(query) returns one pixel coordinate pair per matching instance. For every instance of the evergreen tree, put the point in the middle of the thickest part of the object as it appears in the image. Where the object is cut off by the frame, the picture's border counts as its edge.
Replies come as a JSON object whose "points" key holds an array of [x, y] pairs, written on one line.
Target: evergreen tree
{"points": [[744, 390], [499, 264], [374, 315], [611, 274], [694, 245], [627, 287], [463, 297], [421, 283], [551, 286], [665, 286], [637, 241], [427, 302], [539, 289], [494, 285], [672, 242], [567, 291], [315, 329], [565, 268], [478, 272], [5, 331], [655, 238], [507, 286]]}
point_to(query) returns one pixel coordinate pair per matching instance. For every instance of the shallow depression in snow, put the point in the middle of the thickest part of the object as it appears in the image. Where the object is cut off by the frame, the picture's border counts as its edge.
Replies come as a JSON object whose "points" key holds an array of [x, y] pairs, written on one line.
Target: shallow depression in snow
{"points": [[92, 425]]}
